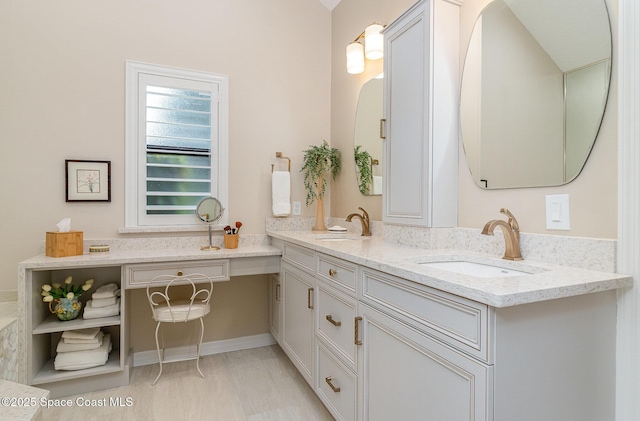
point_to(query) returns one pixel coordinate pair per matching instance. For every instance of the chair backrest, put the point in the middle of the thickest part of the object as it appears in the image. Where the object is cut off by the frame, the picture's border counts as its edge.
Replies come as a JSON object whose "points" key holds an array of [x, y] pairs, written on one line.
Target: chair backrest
{"points": [[159, 288]]}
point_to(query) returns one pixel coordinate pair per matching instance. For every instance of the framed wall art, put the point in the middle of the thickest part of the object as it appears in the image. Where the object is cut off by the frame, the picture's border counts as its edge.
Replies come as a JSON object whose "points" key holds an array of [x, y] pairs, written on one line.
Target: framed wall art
{"points": [[87, 181]]}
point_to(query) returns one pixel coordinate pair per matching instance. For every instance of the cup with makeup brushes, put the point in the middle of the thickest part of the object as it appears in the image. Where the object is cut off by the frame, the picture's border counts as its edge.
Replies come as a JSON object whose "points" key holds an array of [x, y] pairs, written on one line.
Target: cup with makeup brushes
{"points": [[231, 236]]}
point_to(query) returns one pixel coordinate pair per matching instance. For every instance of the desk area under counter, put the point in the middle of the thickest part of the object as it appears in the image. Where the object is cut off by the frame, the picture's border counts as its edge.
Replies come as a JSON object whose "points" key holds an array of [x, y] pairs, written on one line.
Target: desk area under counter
{"points": [[39, 331]]}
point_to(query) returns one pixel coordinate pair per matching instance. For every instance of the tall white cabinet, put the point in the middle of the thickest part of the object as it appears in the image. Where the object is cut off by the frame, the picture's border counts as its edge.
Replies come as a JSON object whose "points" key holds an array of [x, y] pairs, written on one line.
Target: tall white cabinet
{"points": [[421, 92]]}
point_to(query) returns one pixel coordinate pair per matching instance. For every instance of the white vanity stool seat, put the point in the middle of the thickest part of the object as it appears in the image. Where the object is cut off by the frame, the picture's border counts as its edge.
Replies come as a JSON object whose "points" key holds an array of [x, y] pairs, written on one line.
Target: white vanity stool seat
{"points": [[180, 311], [165, 309]]}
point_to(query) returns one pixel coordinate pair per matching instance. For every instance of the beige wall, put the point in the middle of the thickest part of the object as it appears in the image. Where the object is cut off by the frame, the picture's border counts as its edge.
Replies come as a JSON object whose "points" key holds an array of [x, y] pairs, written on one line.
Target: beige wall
{"points": [[593, 195], [238, 308], [62, 97]]}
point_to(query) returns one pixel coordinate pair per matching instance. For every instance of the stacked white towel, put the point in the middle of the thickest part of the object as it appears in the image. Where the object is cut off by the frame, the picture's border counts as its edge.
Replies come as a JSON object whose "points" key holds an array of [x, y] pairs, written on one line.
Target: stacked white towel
{"points": [[88, 348], [80, 340], [104, 302], [106, 291], [93, 312]]}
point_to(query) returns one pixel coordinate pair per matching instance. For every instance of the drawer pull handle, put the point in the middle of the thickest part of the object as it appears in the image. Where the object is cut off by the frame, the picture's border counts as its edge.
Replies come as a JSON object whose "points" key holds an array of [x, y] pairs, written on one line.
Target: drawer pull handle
{"points": [[332, 272], [309, 305], [179, 273], [355, 331], [328, 380], [333, 322], [277, 292]]}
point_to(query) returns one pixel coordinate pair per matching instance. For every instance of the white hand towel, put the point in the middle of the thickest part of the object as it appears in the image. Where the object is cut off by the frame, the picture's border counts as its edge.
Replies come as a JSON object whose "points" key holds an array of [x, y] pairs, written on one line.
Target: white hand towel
{"points": [[91, 312], [95, 340], [377, 184], [64, 346], [84, 334], [101, 302], [281, 192], [106, 291]]}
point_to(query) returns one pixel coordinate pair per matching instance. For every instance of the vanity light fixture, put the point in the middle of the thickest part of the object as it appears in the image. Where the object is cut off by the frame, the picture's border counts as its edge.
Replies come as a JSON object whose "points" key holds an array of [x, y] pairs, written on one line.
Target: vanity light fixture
{"points": [[372, 48]]}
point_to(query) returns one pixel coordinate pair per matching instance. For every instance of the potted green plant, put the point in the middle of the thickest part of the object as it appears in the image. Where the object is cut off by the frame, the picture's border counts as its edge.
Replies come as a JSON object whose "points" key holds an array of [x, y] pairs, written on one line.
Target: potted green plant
{"points": [[316, 163], [363, 168]]}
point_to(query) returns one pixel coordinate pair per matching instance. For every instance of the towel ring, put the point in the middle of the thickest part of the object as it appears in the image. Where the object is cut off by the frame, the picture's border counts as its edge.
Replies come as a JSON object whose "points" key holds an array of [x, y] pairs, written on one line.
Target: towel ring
{"points": [[279, 155]]}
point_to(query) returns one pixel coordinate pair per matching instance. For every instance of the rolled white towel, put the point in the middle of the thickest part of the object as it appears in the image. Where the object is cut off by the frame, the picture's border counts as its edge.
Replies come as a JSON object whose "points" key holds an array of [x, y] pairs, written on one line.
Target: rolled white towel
{"points": [[91, 312], [84, 334], [105, 291], [281, 193], [79, 360], [64, 346]]}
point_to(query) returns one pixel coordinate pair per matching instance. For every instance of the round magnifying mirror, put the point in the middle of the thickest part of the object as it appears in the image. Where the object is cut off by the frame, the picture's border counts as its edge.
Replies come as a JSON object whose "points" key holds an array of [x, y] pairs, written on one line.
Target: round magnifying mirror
{"points": [[209, 210]]}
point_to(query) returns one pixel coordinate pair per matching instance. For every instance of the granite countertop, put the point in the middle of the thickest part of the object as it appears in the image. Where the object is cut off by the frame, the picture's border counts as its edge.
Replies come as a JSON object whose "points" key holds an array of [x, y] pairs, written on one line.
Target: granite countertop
{"points": [[169, 254], [24, 402], [543, 281]]}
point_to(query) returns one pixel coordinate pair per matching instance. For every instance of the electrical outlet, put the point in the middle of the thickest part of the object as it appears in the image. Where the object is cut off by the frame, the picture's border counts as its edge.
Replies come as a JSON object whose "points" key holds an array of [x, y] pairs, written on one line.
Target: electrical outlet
{"points": [[296, 208]]}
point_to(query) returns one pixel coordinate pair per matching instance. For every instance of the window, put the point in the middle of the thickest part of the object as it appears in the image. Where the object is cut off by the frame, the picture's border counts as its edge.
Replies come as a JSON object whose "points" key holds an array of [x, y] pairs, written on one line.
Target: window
{"points": [[176, 144]]}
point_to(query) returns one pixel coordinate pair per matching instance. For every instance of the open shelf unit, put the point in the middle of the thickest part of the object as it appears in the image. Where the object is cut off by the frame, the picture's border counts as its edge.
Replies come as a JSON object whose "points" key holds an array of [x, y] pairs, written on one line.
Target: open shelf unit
{"points": [[46, 331]]}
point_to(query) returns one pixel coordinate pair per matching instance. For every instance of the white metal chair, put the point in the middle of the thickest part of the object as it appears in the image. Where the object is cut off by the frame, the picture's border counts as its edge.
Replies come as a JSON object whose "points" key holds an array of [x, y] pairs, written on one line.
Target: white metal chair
{"points": [[165, 309]]}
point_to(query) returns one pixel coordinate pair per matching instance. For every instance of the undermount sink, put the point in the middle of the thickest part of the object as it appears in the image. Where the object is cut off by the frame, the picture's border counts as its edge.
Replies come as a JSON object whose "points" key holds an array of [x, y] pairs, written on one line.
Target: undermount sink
{"points": [[479, 270]]}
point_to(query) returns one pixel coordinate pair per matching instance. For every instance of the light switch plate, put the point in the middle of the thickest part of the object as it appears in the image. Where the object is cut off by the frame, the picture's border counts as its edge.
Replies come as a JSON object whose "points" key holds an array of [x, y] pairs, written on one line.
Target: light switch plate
{"points": [[558, 215], [296, 208]]}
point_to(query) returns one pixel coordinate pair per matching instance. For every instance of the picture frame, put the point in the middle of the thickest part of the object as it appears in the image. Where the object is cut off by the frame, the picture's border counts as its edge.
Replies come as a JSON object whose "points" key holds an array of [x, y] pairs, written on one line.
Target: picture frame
{"points": [[87, 181]]}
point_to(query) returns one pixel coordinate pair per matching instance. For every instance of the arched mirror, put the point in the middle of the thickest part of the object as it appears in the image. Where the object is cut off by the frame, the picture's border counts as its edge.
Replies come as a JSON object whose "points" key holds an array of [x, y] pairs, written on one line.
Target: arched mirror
{"points": [[534, 89], [366, 139], [209, 210]]}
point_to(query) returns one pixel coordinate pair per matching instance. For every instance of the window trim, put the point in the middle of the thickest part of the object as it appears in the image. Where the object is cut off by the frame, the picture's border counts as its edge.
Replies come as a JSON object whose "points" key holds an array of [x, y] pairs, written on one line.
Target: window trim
{"points": [[132, 158]]}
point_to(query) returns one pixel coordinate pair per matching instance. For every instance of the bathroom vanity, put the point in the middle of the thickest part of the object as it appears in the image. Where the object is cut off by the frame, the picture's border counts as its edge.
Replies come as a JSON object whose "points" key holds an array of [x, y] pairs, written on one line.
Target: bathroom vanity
{"points": [[39, 331], [383, 331], [377, 329]]}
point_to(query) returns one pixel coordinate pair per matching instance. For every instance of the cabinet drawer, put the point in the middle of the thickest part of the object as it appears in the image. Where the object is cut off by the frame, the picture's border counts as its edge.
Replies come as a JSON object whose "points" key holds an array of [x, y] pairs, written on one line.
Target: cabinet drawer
{"points": [[336, 385], [299, 256], [336, 323], [339, 271], [138, 276], [461, 323]]}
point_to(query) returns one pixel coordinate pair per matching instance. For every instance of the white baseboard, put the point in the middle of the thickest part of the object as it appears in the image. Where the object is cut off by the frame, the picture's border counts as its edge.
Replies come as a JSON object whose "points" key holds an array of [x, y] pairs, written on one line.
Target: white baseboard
{"points": [[208, 348]]}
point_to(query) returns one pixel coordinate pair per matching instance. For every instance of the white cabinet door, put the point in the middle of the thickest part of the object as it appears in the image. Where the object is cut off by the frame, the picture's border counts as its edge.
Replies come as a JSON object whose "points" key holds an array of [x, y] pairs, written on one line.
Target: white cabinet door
{"points": [[298, 332], [275, 308], [406, 375], [420, 107]]}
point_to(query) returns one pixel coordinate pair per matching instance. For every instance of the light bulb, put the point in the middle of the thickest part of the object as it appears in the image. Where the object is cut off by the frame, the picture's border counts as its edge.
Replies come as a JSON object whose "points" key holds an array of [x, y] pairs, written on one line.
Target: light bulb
{"points": [[373, 42], [355, 58]]}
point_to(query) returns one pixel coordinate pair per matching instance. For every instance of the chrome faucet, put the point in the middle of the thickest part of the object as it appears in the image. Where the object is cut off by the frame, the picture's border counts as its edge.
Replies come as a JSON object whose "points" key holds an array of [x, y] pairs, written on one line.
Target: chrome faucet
{"points": [[364, 220], [511, 232]]}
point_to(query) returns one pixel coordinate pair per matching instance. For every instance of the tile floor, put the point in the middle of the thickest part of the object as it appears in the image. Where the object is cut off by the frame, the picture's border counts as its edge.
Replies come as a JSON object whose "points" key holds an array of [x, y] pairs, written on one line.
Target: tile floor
{"points": [[253, 385]]}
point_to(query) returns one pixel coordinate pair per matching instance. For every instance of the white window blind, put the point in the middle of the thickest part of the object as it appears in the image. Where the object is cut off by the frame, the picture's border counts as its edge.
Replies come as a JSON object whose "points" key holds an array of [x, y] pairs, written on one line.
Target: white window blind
{"points": [[178, 148]]}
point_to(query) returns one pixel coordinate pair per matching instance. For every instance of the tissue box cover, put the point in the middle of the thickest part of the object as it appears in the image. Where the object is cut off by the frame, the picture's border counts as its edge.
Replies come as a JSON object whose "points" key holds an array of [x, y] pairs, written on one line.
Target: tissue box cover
{"points": [[62, 244]]}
